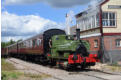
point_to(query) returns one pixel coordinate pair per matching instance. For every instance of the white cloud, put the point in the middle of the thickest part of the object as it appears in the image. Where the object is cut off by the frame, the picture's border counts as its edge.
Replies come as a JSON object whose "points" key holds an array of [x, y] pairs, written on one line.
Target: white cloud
{"points": [[14, 26], [16, 2], [54, 3]]}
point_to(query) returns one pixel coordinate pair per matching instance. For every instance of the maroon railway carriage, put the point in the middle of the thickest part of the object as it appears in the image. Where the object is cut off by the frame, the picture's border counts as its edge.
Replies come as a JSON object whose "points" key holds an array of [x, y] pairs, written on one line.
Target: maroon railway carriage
{"points": [[28, 48], [4, 52], [35, 47]]}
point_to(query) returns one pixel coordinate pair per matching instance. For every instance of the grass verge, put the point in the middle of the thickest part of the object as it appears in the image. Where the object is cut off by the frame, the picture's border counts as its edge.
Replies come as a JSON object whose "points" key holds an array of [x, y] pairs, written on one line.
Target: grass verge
{"points": [[114, 68], [9, 72]]}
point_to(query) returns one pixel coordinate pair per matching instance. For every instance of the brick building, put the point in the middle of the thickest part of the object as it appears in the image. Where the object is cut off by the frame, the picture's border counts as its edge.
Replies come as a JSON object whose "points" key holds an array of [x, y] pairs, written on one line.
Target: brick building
{"points": [[100, 25]]}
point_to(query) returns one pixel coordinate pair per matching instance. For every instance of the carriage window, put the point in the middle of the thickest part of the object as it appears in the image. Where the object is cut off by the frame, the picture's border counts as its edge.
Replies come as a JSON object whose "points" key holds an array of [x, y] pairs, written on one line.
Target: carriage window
{"points": [[38, 42], [30, 43], [21, 44], [34, 43], [27, 43], [24, 44]]}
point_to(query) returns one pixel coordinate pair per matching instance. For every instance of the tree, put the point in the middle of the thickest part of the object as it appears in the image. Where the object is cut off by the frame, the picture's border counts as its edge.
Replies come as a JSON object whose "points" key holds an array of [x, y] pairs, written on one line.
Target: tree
{"points": [[12, 42], [19, 40], [3, 44]]}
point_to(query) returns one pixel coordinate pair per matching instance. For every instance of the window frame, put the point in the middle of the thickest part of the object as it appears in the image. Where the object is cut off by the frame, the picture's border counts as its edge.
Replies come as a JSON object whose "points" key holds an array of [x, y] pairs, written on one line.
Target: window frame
{"points": [[108, 20], [38, 42], [118, 42], [96, 45]]}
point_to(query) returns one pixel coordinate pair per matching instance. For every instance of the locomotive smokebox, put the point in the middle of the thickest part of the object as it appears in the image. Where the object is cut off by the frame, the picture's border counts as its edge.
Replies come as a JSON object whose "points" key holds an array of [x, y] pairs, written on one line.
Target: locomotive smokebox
{"points": [[78, 34]]}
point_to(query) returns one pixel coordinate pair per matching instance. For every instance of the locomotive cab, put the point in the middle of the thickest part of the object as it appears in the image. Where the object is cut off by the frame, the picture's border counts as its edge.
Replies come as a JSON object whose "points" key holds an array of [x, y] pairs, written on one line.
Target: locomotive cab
{"points": [[48, 35]]}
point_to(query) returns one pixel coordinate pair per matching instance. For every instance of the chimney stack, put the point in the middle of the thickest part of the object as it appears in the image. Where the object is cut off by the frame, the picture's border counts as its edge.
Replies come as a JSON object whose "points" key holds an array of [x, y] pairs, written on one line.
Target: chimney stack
{"points": [[78, 34]]}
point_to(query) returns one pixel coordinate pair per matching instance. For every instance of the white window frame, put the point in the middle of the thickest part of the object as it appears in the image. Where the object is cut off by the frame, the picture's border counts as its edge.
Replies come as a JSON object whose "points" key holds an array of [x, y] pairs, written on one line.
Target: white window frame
{"points": [[118, 42], [95, 43], [108, 20]]}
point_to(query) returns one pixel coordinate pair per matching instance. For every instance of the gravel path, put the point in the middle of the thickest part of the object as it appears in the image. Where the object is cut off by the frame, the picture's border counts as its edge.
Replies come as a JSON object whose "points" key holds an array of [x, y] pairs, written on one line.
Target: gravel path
{"points": [[58, 74]]}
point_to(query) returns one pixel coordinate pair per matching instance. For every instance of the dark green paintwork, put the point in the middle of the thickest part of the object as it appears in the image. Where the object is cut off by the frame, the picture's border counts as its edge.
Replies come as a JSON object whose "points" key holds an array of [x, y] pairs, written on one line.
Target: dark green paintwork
{"points": [[62, 46]]}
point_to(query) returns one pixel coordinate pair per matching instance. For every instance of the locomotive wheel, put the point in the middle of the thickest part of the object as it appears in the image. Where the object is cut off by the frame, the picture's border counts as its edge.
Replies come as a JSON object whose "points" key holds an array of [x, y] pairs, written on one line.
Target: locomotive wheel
{"points": [[71, 67], [25, 58], [52, 62], [60, 66], [83, 67], [68, 68]]}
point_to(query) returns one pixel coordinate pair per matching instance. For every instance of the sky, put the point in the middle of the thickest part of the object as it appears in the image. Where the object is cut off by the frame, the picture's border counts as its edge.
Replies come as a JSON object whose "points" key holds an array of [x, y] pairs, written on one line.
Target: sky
{"points": [[21, 19]]}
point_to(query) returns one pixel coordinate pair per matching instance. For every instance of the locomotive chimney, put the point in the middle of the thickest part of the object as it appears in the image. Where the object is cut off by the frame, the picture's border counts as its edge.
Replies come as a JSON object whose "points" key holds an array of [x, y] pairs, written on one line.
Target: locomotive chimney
{"points": [[78, 34]]}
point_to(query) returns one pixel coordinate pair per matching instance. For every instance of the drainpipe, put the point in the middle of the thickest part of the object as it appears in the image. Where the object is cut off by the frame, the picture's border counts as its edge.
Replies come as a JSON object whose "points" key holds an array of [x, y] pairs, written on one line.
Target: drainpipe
{"points": [[78, 34], [100, 21], [101, 51]]}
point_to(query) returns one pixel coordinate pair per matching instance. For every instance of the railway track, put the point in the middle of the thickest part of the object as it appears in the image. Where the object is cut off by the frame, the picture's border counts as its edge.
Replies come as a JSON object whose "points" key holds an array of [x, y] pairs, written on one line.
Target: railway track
{"points": [[87, 72], [88, 75], [93, 74], [33, 69]]}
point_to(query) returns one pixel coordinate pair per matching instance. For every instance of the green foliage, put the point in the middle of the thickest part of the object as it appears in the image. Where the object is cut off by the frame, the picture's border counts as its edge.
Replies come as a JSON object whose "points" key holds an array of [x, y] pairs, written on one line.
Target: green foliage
{"points": [[4, 44], [6, 66], [9, 72], [10, 75], [114, 64], [12, 42], [19, 40]]}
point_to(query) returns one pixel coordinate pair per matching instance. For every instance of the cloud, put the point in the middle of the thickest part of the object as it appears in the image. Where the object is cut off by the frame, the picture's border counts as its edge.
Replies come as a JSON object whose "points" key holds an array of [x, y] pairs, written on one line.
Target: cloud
{"points": [[24, 26], [54, 3]]}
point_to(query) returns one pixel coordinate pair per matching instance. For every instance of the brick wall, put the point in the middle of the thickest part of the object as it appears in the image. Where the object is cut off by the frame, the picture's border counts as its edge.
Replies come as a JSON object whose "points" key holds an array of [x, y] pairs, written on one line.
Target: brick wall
{"points": [[91, 42], [110, 43], [111, 51]]}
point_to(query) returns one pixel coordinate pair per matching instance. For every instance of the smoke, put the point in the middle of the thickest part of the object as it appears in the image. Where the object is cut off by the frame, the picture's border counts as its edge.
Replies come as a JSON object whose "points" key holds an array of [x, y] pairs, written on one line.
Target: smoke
{"points": [[69, 21], [93, 6]]}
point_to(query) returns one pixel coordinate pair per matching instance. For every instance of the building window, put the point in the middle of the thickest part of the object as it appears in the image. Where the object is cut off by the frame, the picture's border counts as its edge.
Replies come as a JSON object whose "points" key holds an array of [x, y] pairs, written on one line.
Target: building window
{"points": [[97, 20], [95, 43], [109, 19], [118, 42]]}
